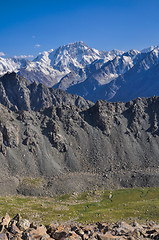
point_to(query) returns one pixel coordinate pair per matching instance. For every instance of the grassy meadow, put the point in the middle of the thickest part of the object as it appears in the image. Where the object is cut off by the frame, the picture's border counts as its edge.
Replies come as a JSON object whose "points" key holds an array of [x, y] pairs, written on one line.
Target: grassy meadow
{"points": [[141, 204]]}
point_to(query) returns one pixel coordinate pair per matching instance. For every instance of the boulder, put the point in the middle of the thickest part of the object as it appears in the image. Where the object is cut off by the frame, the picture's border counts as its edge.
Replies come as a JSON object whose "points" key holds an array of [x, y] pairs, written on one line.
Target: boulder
{"points": [[5, 221], [23, 224]]}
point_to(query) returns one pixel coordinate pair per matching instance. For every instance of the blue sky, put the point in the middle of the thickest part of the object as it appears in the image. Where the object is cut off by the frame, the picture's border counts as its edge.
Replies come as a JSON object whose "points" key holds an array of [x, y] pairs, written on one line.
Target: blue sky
{"points": [[32, 26]]}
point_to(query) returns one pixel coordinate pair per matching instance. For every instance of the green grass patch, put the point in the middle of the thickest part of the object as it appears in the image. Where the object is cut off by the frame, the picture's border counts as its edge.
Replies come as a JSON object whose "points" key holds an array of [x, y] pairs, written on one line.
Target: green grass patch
{"points": [[33, 181], [141, 204]]}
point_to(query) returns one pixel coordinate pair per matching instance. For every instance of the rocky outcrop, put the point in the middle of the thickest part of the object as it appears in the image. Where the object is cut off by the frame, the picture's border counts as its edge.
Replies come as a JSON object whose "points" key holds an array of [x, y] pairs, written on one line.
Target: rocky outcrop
{"points": [[17, 93], [70, 144], [19, 228]]}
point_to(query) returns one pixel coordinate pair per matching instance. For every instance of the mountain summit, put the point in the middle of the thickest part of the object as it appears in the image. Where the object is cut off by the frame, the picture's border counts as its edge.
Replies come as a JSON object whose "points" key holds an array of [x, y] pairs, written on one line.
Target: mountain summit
{"points": [[81, 70], [51, 66]]}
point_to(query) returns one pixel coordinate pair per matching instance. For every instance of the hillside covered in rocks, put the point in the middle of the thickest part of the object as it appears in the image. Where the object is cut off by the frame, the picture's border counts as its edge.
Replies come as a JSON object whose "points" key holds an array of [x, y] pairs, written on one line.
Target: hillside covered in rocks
{"points": [[20, 228], [53, 142]]}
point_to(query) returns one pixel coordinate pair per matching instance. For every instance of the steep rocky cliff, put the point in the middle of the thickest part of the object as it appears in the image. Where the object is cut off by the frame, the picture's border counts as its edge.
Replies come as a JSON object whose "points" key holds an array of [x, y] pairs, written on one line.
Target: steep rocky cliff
{"points": [[53, 142]]}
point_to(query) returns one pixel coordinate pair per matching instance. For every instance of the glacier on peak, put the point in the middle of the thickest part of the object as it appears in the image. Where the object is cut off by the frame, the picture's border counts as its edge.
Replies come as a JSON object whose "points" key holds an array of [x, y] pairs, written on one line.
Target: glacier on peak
{"points": [[49, 67], [81, 70]]}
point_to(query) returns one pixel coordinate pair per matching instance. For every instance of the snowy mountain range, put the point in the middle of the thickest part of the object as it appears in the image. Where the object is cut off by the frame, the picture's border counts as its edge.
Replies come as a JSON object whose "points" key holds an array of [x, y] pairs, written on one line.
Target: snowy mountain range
{"points": [[51, 66], [109, 75]]}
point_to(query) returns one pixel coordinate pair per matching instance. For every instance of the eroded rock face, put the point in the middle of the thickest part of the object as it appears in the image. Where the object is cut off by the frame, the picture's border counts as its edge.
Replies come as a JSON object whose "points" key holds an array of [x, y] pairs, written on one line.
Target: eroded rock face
{"points": [[9, 134], [9, 131], [17, 93], [74, 145]]}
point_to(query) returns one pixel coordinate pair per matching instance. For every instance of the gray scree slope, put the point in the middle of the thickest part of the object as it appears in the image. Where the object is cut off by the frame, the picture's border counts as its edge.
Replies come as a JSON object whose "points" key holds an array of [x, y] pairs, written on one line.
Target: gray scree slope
{"points": [[70, 144]]}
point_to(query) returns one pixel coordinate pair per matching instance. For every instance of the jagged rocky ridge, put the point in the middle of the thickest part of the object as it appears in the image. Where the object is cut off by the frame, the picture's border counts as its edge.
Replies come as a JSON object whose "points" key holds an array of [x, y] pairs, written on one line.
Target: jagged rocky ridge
{"points": [[17, 93], [70, 144]]}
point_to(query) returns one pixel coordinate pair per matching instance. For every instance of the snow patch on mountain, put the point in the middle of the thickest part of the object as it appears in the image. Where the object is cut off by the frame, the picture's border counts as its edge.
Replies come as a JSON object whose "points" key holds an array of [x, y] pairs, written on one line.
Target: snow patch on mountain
{"points": [[88, 72], [51, 66], [11, 64], [149, 49]]}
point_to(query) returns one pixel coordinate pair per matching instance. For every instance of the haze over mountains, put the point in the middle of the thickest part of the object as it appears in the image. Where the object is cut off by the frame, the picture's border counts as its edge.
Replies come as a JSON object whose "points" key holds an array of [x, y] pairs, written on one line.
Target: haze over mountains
{"points": [[76, 68]]}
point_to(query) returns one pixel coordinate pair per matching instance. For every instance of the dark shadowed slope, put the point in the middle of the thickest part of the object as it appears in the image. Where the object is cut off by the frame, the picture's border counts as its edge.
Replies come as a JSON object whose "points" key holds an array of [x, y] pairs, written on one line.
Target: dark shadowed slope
{"points": [[133, 75]]}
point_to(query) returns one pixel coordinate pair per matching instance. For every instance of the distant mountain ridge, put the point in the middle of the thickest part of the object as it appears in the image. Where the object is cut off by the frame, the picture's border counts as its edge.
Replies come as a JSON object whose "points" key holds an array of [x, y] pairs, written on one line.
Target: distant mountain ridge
{"points": [[126, 77], [80, 70], [51, 66]]}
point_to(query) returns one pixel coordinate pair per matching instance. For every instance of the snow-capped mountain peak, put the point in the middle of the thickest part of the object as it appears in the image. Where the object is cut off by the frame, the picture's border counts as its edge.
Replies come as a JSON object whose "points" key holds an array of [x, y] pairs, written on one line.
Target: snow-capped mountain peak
{"points": [[12, 64], [88, 72], [56, 63], [149, 49], [49, 67]]}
